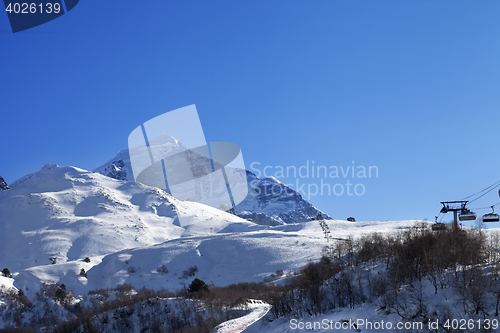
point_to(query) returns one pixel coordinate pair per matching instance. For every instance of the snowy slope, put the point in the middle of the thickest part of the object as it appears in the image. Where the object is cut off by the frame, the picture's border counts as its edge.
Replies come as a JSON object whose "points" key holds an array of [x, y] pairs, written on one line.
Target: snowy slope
{"points": [[443, 307], [6, 282], [239, 252], [52, 219], [65, 213], [56, 217], [258, 310], [236, 254], [62, 214]]}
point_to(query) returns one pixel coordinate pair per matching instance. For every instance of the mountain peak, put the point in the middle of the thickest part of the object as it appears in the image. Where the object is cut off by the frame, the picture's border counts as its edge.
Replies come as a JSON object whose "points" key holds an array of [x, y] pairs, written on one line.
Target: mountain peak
{"points": [[163, 139], [120, 167], [269, 202]]}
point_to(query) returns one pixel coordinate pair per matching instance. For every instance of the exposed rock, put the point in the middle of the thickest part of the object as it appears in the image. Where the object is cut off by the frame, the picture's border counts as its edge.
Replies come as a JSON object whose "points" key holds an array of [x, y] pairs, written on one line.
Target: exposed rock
{"points": [[3, 185]]}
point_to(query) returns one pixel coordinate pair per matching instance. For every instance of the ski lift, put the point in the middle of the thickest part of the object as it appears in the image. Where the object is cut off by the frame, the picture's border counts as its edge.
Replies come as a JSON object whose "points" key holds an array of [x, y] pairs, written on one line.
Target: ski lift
{"points": [[491, 217], [467, 215]]}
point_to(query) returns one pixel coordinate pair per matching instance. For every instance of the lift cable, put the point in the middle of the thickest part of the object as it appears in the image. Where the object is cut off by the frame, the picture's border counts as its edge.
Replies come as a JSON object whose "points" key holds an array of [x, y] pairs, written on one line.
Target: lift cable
{"points": [[489, 187], [440, 219], [489, 207], [482, 195]]}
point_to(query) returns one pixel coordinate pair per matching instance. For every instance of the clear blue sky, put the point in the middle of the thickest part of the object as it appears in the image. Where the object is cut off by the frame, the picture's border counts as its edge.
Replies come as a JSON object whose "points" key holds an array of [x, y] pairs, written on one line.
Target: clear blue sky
{"points": [[412, 87]]}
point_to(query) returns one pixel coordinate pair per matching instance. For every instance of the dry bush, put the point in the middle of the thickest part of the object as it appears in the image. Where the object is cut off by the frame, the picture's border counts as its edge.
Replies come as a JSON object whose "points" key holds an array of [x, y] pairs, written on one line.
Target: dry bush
{"points": [[418, 253]]}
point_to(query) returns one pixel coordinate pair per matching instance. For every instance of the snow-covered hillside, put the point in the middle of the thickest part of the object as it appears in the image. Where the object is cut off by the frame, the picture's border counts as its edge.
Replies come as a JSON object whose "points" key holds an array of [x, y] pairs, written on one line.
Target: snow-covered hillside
{"points": [[61, 214], [52, 219], [466, 300], [89, 231], [64, 214], [237, 253]]}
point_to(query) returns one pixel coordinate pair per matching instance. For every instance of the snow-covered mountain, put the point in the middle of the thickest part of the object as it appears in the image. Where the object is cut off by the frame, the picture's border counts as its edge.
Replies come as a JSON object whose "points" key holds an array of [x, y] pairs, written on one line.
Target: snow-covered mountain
{"points": [[3, 184], [54, 218], [120, 166], [269, 202], [60, 214], [60, 220]]}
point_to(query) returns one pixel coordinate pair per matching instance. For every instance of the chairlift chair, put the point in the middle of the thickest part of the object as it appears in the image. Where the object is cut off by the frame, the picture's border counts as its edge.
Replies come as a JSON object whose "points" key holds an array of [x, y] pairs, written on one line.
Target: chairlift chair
{"points": [[438, 226], [467, 215], [491, 217]]}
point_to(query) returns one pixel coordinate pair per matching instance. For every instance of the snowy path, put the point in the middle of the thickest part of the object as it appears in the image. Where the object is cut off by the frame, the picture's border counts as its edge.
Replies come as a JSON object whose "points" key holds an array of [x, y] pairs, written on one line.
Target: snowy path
{"points": [[259, 310]]}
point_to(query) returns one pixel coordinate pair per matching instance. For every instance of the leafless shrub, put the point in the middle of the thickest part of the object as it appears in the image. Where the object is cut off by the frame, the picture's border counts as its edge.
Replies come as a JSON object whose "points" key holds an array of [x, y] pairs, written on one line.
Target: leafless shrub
{"points": [[162, 269], [191, 271]]}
